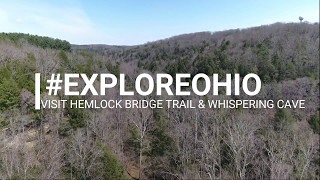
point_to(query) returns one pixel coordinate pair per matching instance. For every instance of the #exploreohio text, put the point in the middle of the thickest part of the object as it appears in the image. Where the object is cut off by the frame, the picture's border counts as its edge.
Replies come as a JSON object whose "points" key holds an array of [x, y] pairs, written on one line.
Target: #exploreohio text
{"points": [[145, 84]]}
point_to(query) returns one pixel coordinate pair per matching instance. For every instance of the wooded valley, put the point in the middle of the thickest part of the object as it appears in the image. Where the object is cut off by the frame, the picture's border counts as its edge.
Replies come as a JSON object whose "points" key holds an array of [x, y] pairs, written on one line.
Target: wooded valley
{"points": [[164, 143]]}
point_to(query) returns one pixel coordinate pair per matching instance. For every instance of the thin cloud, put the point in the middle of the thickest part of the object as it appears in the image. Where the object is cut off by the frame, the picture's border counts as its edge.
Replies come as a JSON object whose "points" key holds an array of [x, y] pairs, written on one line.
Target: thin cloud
{"points": [[71, 24], [18, 20]]}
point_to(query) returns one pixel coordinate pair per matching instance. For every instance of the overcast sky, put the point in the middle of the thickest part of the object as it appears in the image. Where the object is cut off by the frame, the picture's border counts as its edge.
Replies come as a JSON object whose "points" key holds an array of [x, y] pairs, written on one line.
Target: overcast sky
{"points": [[128, 22]]}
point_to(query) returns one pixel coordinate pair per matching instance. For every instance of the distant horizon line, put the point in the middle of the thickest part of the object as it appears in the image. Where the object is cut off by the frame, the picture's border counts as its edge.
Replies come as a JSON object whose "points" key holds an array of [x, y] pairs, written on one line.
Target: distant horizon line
{"points": [[212, 32]]}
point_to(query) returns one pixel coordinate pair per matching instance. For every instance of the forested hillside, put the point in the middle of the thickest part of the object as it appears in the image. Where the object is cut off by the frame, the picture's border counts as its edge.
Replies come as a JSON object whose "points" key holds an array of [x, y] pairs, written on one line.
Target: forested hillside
{"points": [[275, 52], [164, 143]]}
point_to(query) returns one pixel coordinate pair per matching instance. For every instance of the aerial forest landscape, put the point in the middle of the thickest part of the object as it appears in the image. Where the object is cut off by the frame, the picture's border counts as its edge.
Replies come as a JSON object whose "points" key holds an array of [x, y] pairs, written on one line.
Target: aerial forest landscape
{"points": [[162, 143]]}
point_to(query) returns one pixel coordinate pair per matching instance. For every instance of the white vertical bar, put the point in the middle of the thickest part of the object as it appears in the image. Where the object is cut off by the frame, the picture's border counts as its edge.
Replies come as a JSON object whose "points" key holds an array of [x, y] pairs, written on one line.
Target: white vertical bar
{"points": [[37, 91]]}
